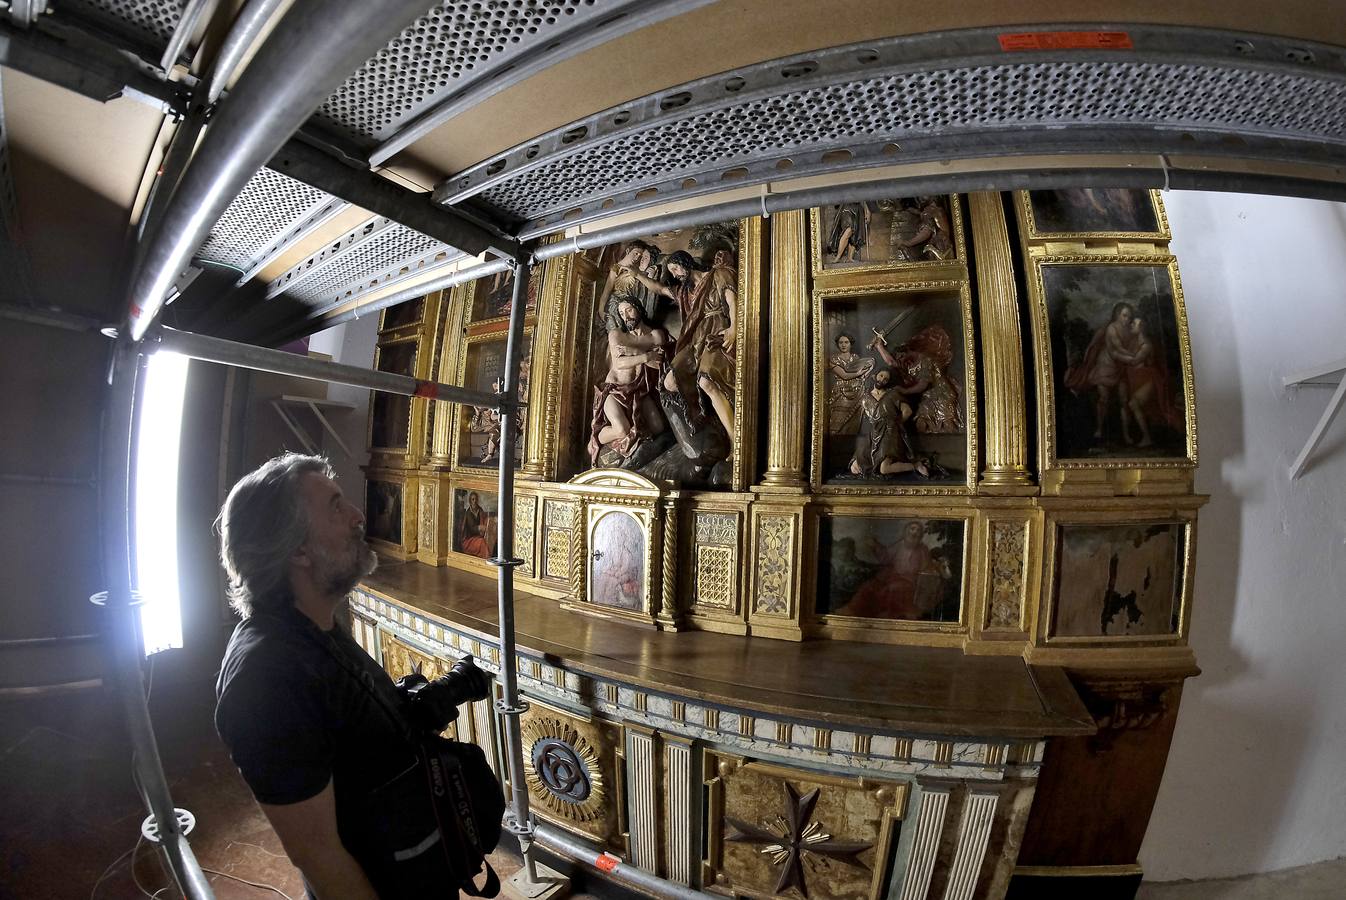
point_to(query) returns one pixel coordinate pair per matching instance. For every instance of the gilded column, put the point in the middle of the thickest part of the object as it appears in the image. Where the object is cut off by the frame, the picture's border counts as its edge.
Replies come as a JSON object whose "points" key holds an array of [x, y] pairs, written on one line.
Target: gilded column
{"points": [[447, 371], [787, 353], [544, 389], [668, 583], [1006, 469]]}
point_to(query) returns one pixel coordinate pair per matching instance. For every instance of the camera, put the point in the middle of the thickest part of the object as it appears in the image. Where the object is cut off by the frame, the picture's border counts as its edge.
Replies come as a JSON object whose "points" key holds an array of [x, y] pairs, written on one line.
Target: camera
{"points": [[431, 705]]}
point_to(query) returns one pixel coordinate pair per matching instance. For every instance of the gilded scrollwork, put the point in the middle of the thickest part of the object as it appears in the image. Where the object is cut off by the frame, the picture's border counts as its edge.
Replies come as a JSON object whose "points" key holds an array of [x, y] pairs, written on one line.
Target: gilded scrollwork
{"points": [[428, 512], [1008, 564], [525, 517], [775, 546]]}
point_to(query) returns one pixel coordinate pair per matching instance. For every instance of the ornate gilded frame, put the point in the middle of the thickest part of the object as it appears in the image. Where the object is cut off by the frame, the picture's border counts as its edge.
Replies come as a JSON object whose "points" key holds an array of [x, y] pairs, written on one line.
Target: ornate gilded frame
{"points": [[603, 492], [410, 527], [455, 557], [972, 461], [1120, 511], [1045, 372], [470, 298], [413, 338], [892, 631], [461, 412], [816, 248], [1024, 206], [718, 765]]}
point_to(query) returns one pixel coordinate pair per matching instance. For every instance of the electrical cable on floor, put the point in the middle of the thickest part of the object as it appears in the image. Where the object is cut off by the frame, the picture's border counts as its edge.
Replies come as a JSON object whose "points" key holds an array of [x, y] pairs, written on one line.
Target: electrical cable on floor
{"points": [[108, 871], [256, 884]]}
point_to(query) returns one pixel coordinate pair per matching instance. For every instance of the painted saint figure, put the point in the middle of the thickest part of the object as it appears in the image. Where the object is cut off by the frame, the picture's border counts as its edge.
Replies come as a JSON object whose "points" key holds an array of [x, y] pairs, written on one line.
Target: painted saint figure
{"points": [[1103, 370], [475, 534], [934, 236], [850, 370], [909, 584], [624, 411]]}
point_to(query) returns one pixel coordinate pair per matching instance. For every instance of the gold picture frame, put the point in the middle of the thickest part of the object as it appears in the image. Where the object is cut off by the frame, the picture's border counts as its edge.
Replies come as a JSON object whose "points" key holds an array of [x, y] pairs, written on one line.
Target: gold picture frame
{"points": [[1056, 465], [461, 435], [458, 490], [943, 289], [1032, 222], [394, 401], [967, 577], [1123, 515], [820, 271]]}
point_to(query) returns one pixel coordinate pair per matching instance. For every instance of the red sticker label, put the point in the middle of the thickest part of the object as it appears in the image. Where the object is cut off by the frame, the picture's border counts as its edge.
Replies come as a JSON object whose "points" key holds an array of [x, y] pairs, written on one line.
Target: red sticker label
{"points": [[607, 863], [427, 389], [1066, 40]]}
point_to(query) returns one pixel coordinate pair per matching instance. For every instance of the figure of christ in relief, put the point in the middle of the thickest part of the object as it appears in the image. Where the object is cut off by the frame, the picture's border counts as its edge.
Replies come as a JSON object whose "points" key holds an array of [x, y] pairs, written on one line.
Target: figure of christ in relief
{"points": [[703, 354], [850, 370], [624, 411], [908, 586]]}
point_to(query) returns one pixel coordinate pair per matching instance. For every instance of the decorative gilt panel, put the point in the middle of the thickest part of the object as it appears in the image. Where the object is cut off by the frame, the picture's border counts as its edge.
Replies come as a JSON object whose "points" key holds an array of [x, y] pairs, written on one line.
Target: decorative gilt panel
{"points": [[1009, 564], [571, 767], [428, 510], [775, 565], [777, 831], [558, 519], [525, 518], [715, 575]]}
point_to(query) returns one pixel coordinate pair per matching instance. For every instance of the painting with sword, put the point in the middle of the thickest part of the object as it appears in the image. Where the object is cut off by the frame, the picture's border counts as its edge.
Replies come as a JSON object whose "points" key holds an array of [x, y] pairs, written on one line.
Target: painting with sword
{"points": [[894, 406]]}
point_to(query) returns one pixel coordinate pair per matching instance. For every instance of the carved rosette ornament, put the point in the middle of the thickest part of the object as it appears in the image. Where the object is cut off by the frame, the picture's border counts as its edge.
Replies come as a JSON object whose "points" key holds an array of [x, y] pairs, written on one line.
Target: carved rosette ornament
{"points": [[562, 771]]}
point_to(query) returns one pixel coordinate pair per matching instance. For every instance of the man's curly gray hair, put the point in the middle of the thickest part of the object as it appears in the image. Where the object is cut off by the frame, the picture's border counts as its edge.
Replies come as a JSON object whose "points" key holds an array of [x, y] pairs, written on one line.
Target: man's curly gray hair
{"points": [[262, 524]]}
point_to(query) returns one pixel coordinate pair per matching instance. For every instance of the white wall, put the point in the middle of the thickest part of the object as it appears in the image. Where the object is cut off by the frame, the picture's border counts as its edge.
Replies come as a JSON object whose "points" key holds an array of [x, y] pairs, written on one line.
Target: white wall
{"points": [[1256, 779], [351, 343]]}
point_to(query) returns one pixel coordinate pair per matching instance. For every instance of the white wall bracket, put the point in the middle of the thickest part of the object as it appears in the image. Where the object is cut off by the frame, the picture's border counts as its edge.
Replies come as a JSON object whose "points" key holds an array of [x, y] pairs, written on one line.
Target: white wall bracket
{"points": [[313, 404], [1333, 374]]}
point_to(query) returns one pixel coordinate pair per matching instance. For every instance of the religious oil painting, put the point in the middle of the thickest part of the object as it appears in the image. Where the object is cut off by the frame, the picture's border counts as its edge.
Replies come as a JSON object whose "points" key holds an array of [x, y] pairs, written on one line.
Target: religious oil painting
{"points": [[390, 414], [617, 567], [892, 375], [664, 357], [1119, 580], [484, 370], [474, 522], [896, 231], [493, 295], [901, 569], [403, 315], [1116, 361], [383, 511], [1084, 211]]}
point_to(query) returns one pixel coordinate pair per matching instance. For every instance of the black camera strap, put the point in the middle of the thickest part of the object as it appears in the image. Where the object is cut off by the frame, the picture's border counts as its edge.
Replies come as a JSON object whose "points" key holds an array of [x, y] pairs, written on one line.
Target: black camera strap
{"points": [[445, 780]]}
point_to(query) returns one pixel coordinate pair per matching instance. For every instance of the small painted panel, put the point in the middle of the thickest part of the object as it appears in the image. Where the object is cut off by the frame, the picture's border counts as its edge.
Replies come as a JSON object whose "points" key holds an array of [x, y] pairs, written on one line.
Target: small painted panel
{"points": [[1119, 580], [383, 511], [493, 295], [617, 567], [1081, 210], [390, 414], [403, 314], [484, 370], [894, 231], [474, 524], [1117, 368], [896, 569]]}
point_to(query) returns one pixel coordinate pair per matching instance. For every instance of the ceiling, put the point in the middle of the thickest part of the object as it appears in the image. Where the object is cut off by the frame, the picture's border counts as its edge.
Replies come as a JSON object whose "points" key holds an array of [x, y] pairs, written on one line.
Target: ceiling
{"points": [[542, 117]]}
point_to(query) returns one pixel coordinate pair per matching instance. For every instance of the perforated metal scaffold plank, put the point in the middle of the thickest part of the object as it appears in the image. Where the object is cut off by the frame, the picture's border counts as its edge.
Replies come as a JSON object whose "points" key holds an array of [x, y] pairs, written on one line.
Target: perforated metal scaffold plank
{"points": [[269, 206], [148, 22], [950, 95]]}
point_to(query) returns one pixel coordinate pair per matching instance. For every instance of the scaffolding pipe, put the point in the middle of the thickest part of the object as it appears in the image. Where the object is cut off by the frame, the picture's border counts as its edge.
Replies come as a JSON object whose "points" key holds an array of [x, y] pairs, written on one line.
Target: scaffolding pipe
{"points": [[249, 24], [120, 424], [315, 320], [520, 822], [186, 26], [570, 847], [272, 98], [246, 356]]}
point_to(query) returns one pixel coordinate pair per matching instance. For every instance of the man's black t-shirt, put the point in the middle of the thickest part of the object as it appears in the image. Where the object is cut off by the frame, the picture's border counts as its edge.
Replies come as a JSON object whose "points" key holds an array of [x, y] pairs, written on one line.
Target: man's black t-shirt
{"points": [[297, 709]]}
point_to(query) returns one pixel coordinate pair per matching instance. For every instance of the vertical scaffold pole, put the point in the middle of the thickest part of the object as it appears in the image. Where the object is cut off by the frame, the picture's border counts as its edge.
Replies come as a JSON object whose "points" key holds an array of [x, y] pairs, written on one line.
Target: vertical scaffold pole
{"points": [[520, 822]]}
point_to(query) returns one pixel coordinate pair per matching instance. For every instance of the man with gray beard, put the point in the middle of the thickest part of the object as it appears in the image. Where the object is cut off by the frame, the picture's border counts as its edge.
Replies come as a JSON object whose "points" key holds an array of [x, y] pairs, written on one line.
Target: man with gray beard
{"points": [[304, 710]]}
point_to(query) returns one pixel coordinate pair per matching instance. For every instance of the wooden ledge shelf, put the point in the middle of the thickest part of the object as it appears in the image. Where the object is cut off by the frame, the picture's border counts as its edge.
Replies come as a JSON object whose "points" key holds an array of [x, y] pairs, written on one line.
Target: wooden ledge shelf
{"points": [[884, 688]]}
